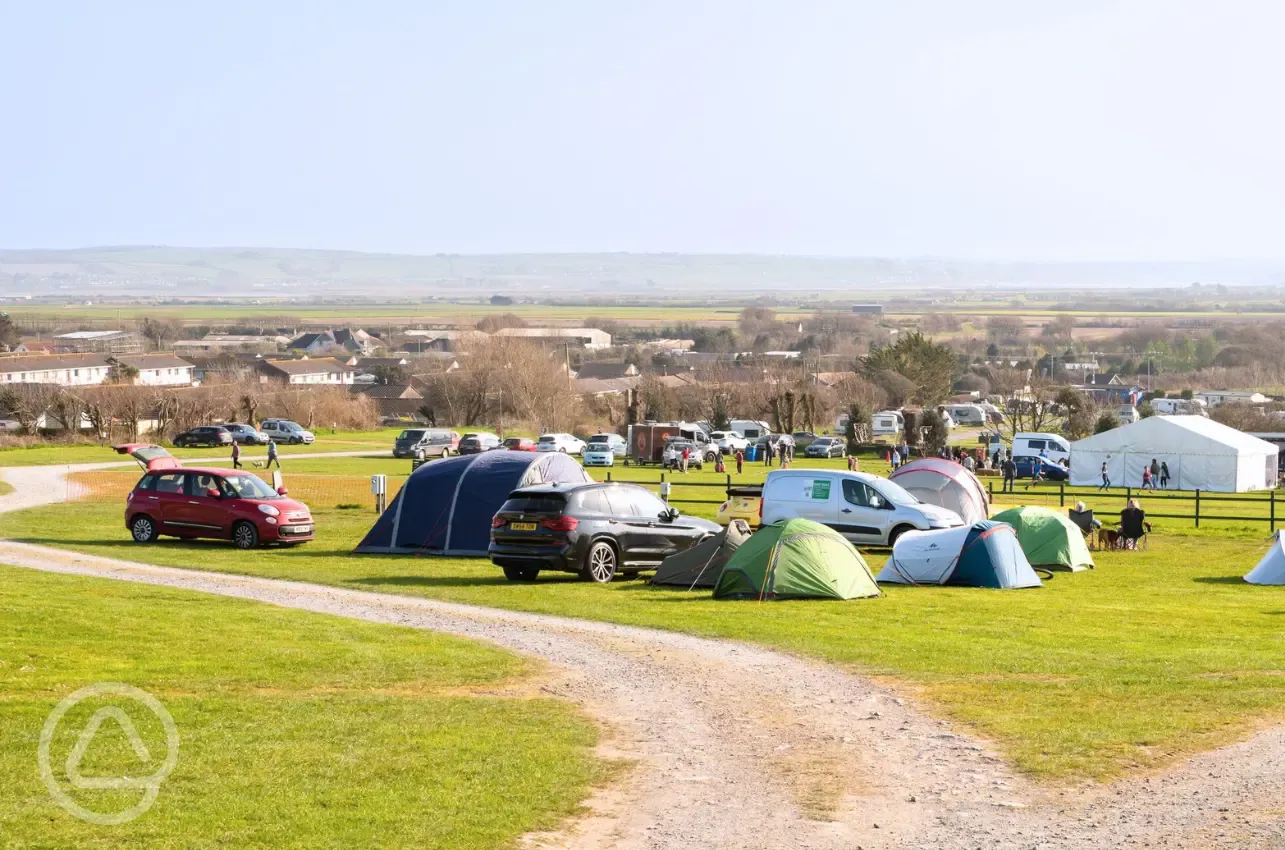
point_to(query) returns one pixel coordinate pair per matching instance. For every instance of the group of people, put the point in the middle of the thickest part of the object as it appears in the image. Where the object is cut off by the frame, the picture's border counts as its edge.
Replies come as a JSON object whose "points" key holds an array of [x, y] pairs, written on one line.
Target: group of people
{"points": [[272, 455], [781, 453], [1153, 473], [1132, 528]]}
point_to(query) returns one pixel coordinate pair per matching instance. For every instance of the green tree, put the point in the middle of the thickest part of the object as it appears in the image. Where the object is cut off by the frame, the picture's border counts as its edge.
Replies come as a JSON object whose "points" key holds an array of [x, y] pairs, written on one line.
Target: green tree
{"points": [[1145, 409], [929, 365], [1080, 412], [936, 434], [9, 334], [858, 428], [1107, 420]]}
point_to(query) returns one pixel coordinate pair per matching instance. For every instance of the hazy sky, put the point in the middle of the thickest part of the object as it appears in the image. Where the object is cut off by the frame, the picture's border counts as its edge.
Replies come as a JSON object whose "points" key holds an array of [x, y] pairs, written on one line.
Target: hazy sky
{"points": [[1016, 130]]}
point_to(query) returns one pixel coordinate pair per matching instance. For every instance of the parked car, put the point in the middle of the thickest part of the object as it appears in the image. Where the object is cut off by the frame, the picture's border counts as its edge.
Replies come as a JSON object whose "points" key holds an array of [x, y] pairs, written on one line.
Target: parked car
{"points": [[520, 444], [477, 442], [423, 443], [565, 443], [673, 454], [825, 447], [744, 502], [1053, 446], [1050, 470], [803, 439], [777, 441], [595, 530], [247, 435], [211, 436], [285, 431], [219, 503], [864, 508], [603, 449], [729, 442]]}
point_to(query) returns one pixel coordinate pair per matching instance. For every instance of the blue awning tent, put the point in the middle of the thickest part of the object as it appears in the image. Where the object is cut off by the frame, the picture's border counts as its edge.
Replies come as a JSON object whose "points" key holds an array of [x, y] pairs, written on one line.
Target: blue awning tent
{"points": [[445, 507], [985, 554]]}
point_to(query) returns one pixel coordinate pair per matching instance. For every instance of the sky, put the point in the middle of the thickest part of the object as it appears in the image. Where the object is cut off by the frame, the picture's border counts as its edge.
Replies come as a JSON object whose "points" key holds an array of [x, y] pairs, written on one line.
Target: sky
{"points": [[1042, 131]]}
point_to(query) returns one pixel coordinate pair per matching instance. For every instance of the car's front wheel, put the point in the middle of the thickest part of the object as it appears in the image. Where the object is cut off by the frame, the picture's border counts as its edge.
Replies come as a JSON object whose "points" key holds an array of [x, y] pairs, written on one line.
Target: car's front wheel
{"points": [[143, 529], [521, 573], [600, 563], [245, 535]]}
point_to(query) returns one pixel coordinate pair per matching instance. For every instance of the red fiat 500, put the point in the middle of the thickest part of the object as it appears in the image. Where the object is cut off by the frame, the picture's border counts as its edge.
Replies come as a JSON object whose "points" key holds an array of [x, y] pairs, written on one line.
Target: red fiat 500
{"points": [[228, 504]]}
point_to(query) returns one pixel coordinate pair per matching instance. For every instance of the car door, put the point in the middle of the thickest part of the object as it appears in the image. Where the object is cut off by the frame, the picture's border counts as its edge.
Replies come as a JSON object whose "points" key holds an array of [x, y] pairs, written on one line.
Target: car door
{"points": [[667, 535], [164, 501], [640, 542], [861, 515], [195, 513]]}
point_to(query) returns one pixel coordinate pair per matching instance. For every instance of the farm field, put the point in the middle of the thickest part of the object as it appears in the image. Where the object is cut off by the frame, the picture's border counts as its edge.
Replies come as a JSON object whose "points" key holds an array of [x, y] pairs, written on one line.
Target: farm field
{"points": [[1154, 655], [295, 729]]}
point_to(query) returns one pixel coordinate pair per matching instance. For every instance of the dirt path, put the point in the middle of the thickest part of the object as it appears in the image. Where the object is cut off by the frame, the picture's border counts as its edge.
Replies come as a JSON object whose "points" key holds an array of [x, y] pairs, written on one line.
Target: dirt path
{"points": [[739, 747]]}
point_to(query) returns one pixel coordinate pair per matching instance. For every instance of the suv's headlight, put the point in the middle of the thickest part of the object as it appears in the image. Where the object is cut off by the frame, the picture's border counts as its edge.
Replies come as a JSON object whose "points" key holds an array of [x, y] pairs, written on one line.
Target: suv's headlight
{"points": [[269, 510]]}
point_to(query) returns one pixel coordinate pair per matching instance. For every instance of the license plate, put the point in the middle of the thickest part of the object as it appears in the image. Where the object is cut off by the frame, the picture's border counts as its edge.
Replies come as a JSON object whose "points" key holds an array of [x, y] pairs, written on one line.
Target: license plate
{"points": [[522, 526], [301, 529]]}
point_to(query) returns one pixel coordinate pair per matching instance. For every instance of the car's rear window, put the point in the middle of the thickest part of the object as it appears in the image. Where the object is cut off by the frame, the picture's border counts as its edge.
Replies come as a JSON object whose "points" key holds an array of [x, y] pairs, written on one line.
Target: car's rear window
{"points": [[543, 504], [548, 439], [599, 439]]}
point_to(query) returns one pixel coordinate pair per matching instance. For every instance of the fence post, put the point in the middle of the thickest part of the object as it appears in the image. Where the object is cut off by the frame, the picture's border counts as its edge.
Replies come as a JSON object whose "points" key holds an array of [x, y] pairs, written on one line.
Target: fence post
{"points": [[1128, 494], [1061, 494], [1273, 493], [729, 482], [1197, 507], [608, 476], [990, 488]]}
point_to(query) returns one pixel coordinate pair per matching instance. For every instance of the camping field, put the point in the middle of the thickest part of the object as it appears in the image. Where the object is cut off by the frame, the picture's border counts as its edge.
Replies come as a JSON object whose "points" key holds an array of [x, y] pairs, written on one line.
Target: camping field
{"points": [[1154, 655], [295, 729]]}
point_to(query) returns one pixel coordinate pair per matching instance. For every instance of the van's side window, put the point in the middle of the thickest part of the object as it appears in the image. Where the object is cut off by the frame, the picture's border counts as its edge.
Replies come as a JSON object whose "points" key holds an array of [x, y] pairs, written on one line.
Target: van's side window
{"points": [[861, 495], [1037, 445]]}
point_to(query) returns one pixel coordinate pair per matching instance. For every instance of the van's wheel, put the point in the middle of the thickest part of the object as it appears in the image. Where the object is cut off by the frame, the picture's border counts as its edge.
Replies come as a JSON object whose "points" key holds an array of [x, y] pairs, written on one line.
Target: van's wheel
{"points": [[143, 529], [521, 573], [600, 563], [446, 452], [245, 535], [897, 532]]}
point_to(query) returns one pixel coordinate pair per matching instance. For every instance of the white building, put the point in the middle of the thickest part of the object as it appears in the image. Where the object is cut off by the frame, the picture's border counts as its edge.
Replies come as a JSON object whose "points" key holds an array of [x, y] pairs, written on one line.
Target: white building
{"points": [[159, 370], [323, 370], [67, 370], [590, 338], [1217, 397]]}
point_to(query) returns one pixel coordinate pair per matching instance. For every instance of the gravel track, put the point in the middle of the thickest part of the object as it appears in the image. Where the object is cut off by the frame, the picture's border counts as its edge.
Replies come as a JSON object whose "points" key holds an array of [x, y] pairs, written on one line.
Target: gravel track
{"points": [[740, 747]]}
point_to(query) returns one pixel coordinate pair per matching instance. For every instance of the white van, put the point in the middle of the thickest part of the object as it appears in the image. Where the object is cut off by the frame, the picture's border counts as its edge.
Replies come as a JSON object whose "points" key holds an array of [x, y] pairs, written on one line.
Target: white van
{"points": [[967, 415], [1127, 413], [1031, 444], [1179, 406], [750, 429], [887, 423], [947, 419], [864, 508]]}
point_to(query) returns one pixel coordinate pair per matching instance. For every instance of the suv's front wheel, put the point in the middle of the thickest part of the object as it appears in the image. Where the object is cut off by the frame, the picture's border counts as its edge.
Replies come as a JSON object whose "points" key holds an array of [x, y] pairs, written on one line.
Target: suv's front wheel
{"points": [[600, 563], [143, 529]]}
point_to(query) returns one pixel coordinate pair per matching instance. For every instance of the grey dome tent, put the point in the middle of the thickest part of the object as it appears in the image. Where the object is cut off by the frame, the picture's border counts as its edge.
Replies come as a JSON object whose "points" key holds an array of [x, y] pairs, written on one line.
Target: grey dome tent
{"points": [[445, 507], [701, 565]]}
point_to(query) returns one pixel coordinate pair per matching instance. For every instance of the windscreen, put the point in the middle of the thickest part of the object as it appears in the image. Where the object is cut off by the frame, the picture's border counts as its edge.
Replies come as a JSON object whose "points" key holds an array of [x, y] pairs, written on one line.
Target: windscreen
{"points": [[411, 435], [251, 487], [548, 438], [599, 439], [893, 492]]}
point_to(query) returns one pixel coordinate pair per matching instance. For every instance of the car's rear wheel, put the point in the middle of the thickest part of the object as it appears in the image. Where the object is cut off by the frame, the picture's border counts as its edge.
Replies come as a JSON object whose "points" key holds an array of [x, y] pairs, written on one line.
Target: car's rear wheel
{"points": [[143, 529], [600, 563], [245, 535], [521, 573], [446, 452]]}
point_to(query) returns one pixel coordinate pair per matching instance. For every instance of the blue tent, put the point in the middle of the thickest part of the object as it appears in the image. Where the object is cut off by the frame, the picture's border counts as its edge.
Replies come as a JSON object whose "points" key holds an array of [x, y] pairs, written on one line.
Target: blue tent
{"points": [[445, 507], [985, 554]]}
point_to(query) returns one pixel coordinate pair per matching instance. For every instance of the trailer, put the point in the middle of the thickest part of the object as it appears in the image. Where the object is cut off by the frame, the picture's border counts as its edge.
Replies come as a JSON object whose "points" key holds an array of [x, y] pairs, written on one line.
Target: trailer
{"points": [[647, 441]]}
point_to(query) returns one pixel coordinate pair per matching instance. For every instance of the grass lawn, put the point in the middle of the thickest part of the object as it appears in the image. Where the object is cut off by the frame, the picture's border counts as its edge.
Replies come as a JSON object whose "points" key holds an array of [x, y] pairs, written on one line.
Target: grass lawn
{"points": [[5, 488], [296, 729], [1154, 655], [44, 454]]}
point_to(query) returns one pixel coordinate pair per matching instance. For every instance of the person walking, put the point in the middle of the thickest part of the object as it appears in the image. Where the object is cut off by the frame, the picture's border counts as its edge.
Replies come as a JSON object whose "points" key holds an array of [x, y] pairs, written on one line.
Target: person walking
{"points": [[895, 459], [740, 461], [1147, 480], [272, 455], [1106, 478], [1010, 473], [1155, 472], [1164, 474], [969, 463], [236, 455]]}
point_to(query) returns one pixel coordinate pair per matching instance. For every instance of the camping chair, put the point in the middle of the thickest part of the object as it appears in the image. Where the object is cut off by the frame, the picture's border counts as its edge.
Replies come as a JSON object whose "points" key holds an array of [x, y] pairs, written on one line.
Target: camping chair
{"points": [[1134, 529], [1084, 521]]}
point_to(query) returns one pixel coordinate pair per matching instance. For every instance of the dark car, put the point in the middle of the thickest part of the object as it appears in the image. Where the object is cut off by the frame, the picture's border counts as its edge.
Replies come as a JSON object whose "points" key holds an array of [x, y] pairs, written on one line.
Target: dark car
{"points": [[206, 435], [221, 503], [1049, 470], [476, 443], [803, 439], [825, 447], [595, 530]]}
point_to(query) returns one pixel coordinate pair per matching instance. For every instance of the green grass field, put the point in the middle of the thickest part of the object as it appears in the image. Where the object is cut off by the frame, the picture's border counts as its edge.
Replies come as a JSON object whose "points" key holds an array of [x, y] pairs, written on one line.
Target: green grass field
{"points": [[296, 729], [45, 454], [1154, 655]]}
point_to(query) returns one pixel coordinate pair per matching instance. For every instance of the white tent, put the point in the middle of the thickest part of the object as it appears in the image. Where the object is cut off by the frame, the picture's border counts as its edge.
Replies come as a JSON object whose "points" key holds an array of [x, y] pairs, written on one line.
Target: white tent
{"points": [[1271, 569], [925, 557], [944, 483], [1201, 455]]}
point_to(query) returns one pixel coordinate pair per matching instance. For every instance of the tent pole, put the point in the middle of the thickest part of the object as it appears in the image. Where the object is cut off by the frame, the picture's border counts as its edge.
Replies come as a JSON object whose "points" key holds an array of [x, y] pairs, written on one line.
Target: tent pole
{"points": [[1273, 519], [1197, 507]]}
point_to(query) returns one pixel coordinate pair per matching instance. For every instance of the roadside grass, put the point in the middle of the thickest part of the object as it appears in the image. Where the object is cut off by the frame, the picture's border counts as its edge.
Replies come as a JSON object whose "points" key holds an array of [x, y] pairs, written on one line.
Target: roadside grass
{"points": [[5, 488], [1154, 655], [296, 729], [45, 454]]}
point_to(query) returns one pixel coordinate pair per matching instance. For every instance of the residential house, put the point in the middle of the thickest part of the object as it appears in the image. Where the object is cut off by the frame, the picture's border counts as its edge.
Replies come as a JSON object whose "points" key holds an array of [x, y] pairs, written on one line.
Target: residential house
{"points": [[391, 400], [1213, 398], [68, 370], [607, 371], [590, 338], [319, 371], [321, 342], [159, 370]]}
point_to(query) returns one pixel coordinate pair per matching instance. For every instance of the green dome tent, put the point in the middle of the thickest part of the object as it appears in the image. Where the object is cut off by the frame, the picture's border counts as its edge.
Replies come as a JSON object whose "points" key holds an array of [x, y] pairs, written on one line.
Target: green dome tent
{"points": [[796, 559], [1048, 538]]}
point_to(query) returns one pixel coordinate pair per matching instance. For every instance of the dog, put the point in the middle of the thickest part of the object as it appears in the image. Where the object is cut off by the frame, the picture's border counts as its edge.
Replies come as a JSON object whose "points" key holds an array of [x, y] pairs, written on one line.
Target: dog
{"points": [[1108, 538], [258, 464]]}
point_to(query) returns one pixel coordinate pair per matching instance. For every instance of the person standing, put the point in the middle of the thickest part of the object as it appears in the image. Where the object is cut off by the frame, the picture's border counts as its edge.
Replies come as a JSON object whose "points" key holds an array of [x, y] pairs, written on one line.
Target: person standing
{"points": [[969, 463], [272, 455], [1164, 474], [905, 451], [895, 459], [236, 455], [767, 452], [740, 461], [1106, 477], [1147, 480], [684, 458], [1010, 473], [1155, 472]]}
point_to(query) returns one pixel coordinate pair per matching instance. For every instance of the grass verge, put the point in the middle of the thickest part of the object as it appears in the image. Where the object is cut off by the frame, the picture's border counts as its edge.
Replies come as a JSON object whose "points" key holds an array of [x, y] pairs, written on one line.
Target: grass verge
{"points": [[1154, 655], [296, 729]]}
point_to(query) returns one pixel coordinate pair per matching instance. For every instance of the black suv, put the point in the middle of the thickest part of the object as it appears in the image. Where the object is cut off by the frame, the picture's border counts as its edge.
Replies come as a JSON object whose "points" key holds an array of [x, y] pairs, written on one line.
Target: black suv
{"points": [[591, 529], [207, 435]]}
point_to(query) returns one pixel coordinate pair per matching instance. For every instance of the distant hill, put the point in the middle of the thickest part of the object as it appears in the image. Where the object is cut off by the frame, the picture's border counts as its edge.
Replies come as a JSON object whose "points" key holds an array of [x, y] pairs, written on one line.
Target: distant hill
{"points": [[197, 272]]}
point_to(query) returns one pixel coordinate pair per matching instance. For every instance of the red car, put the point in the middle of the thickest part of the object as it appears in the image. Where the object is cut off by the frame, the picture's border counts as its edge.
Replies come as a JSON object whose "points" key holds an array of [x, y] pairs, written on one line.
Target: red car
{"points": [[520, 444], [227, 504]]}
